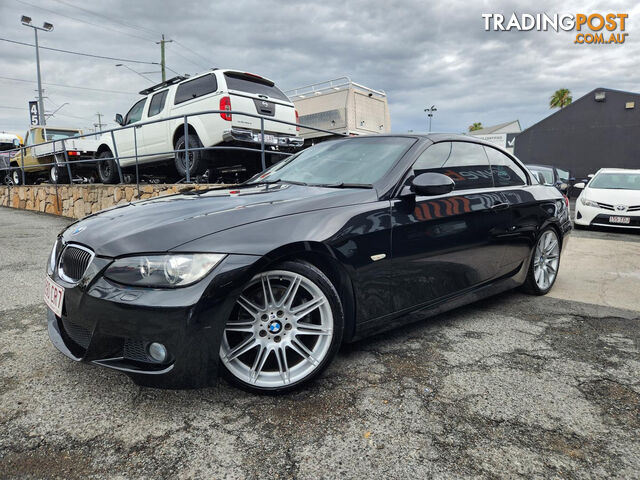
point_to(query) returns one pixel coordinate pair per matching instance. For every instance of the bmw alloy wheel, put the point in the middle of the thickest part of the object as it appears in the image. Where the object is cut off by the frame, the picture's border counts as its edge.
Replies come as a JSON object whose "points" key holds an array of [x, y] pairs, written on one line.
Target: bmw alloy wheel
{"points": [[546, 260], [280, 331]]}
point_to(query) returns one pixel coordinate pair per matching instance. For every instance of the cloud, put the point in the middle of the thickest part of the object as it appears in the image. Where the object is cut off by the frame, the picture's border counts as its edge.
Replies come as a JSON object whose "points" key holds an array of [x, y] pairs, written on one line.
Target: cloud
{"points": [[421, 53]]}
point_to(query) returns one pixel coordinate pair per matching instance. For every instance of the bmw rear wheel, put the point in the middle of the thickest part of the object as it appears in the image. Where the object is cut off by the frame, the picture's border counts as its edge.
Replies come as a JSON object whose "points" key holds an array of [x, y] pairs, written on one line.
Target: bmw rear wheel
{"points": [[545, 263], [285, 328]]}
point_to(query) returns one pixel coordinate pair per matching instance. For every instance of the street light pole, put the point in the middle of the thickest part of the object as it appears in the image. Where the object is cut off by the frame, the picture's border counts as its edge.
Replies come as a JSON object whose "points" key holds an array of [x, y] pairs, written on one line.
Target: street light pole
{"points": [[46, 27], [40, 100], [430, 111], [134, 71]]}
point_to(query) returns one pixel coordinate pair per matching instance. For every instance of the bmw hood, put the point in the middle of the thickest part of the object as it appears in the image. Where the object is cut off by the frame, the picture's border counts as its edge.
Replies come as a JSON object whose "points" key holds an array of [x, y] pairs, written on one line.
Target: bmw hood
{"points": [[159, 224]]}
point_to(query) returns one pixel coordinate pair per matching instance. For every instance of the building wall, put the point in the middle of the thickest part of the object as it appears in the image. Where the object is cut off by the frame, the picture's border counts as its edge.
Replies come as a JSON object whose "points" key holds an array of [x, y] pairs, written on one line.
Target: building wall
{"points": [[586, 135], [79, 201]]}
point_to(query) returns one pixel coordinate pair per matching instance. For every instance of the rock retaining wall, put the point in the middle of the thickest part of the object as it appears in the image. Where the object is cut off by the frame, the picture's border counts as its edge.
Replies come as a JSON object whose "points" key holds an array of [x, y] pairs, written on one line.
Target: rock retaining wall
{"points": [[78, 201]]}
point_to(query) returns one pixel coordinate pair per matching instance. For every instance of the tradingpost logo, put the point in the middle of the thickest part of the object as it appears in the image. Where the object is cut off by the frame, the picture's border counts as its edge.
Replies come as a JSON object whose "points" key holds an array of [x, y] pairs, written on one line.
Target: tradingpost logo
{"points": [[590, 28]]}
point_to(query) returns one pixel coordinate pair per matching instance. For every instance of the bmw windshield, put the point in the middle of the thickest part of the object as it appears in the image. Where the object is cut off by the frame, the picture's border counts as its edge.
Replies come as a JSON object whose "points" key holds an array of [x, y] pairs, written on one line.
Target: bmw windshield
{"points": [[354, 161]]}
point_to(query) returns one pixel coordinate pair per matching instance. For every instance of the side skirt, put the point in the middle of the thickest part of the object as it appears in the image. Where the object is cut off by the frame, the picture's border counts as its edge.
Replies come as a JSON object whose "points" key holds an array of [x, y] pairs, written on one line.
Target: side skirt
{"points": [[422, 312]]}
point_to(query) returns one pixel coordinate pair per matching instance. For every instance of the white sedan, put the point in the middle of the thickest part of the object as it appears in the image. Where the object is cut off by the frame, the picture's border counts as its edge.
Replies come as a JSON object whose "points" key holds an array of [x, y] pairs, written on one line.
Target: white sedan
{"points": [[610, 199]]}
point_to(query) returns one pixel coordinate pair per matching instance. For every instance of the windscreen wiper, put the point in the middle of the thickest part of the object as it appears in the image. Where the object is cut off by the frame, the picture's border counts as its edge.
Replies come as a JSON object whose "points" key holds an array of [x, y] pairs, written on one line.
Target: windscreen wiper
{"points": [[273, 182], [342, 185]]}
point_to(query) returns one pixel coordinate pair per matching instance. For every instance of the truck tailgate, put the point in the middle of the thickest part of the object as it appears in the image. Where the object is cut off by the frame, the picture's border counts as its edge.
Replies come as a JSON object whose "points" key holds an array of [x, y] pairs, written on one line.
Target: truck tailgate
{"points": [[245, 102]]}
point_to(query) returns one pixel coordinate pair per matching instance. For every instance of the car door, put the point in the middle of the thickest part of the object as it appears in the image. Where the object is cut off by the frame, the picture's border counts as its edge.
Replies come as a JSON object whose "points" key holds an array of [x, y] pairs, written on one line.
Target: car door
{"points": [[127, 139], [522, 216], [157, 141], [445, 244]]}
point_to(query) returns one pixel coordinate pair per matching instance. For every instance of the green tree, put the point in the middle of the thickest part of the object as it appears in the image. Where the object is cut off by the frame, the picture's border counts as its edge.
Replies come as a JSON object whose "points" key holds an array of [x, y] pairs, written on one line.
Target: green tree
{"points": [[561, 98], [475, 126]]}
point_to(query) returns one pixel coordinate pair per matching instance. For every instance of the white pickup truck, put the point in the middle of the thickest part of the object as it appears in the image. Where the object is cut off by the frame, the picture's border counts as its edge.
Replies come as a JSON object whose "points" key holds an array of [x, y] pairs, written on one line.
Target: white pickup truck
{"points": [[215, 90]]}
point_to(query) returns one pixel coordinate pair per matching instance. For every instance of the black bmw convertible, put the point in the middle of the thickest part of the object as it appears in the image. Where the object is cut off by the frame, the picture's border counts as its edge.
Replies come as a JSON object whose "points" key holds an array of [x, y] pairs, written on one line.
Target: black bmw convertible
{"points": [[263, 282]]}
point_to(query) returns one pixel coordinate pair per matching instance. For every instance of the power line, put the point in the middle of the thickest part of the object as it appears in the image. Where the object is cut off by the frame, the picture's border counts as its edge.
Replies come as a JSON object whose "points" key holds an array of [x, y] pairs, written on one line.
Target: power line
{"points": [[79, 53], [11, 108], [82, 20], [111, 19], [193, 51], [67, 86]]}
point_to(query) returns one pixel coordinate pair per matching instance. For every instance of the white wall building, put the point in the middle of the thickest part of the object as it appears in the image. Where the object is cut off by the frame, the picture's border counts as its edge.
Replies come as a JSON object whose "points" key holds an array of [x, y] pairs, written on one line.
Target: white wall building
{"points": [[503, 135]]}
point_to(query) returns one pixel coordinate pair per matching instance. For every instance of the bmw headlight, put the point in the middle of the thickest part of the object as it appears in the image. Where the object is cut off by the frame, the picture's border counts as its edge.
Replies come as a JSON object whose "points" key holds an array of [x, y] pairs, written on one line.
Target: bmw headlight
{"points": [[51, 264], [173, 270], [588, 203]]}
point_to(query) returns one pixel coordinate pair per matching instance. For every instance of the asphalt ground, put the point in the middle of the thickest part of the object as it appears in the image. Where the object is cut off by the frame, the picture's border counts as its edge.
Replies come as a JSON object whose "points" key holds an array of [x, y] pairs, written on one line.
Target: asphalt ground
{"points": [[512, 386]]}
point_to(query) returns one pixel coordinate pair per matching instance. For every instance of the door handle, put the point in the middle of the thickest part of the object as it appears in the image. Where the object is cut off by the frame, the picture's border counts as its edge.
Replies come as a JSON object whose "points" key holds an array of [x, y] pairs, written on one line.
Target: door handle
{"points": [[499, 206]]}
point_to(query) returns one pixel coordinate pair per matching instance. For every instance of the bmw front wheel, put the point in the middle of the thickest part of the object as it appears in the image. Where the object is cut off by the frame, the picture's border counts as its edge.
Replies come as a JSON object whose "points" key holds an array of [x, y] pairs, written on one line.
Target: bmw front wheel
{"points": [[284, 329]]}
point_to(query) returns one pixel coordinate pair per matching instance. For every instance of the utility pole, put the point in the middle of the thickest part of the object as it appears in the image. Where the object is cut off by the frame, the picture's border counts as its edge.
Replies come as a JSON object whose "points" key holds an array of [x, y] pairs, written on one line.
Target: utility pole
{"points": [[46, 27], [99, 124], [162, 62]]}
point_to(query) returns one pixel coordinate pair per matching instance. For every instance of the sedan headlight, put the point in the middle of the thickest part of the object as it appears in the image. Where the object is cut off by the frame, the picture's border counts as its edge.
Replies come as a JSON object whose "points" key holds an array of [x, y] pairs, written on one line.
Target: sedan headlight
{"points": [[51, 264], [588, 203], [177, 270]]}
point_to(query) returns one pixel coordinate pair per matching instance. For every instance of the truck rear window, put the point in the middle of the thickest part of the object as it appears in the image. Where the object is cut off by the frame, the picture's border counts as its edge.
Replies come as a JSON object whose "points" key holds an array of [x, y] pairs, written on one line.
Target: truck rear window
{"points": [[196, 88], [257, 86], [58, 134]]}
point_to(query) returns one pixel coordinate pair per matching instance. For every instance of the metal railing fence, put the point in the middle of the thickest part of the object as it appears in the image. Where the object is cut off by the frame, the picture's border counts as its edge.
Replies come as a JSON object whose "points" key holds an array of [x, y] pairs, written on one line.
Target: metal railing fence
{"points": [[13, 160]]}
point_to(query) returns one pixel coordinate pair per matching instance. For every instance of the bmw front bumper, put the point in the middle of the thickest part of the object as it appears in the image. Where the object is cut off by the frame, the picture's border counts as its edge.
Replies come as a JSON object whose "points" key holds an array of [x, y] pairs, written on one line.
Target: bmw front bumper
{"points": [[112, 325]]}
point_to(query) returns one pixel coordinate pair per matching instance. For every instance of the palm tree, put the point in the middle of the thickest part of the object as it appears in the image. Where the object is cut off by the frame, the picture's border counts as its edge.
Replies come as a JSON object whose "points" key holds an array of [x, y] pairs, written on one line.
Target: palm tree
{"points": [[475, 126], [561, 98]]}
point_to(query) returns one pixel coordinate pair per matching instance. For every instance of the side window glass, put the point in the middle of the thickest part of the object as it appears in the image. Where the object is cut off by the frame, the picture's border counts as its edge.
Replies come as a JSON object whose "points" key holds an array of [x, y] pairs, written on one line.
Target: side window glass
{"points": [[468, 166], [135, 114], [432, 158], [196, 88], [563, 174], [465, 163], [157, 103], [506, 173]]}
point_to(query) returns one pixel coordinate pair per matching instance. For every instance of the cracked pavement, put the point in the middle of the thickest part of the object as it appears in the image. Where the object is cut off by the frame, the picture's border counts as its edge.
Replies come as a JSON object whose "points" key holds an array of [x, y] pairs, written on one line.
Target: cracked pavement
{"points": [[512, 386]]}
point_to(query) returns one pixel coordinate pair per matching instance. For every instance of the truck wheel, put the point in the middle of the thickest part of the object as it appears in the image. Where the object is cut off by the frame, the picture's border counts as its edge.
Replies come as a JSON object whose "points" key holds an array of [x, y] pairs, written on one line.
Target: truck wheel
{"points": [[16, 177], [107, 169], [58, 174], [196, 159]]}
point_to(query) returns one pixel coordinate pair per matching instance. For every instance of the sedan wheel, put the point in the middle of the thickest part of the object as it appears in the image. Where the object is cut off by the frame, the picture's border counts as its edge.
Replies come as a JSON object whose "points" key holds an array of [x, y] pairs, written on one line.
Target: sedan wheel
{"points": [[544, 264], [283, 329]]}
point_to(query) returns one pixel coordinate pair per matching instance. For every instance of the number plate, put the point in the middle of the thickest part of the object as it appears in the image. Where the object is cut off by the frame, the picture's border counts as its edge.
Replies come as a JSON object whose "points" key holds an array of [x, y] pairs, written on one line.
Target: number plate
{"points": [[267, 138], [53, 296], [623, 220]]}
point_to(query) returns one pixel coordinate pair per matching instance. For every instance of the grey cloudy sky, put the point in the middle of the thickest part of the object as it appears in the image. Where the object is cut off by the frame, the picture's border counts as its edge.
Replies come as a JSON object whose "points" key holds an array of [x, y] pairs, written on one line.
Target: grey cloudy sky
{"points": [[421, 53]]}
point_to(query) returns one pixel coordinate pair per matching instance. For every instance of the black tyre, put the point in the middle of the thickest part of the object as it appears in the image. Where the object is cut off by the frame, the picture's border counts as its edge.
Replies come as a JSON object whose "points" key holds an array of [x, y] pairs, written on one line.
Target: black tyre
{"points": [[196, 159], [545, 263], [283, 331], [58, 174], [107, 169], [16, 176]]}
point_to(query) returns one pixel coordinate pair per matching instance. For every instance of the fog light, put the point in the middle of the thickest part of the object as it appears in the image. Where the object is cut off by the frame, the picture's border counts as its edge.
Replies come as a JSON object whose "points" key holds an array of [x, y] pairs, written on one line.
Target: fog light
{"points": [[158, 352]]}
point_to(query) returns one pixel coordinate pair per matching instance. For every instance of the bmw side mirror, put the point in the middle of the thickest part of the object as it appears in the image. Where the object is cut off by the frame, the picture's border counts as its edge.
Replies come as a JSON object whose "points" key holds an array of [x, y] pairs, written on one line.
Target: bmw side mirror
{"points": [[119, 119], [579, 185], [563, 187], [431, 183]]}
